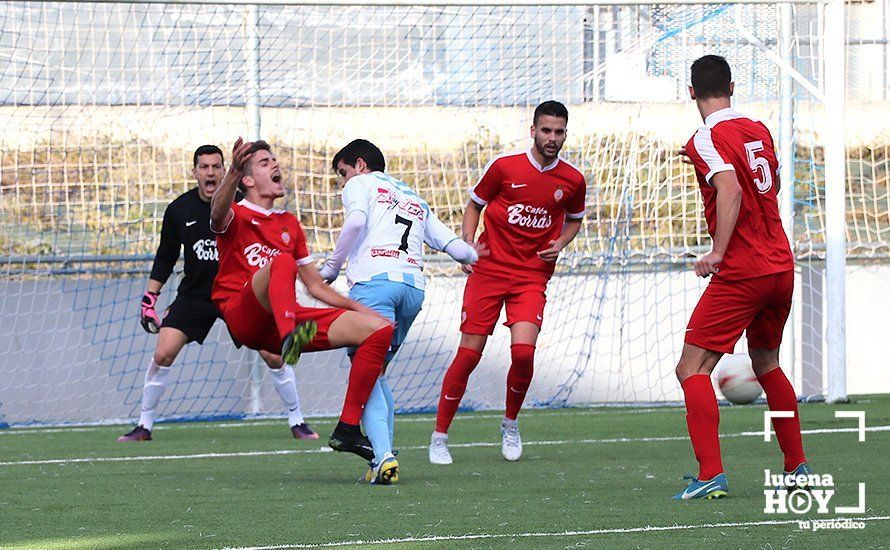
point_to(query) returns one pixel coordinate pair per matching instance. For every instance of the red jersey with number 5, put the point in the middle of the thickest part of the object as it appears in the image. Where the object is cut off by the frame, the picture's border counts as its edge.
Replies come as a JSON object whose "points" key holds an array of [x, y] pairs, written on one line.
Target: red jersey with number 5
{"points": [[526, 207], [731, 141], [252, 238]]}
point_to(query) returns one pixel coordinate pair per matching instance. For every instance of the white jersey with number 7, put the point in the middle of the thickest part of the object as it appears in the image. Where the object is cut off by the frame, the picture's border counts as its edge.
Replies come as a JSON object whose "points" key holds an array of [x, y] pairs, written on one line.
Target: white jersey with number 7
{"points": [[399, 223]]}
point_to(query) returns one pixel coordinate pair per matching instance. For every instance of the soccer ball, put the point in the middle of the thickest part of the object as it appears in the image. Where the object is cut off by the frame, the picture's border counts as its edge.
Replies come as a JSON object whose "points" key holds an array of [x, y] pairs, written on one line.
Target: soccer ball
{"points": [[736, 379]]}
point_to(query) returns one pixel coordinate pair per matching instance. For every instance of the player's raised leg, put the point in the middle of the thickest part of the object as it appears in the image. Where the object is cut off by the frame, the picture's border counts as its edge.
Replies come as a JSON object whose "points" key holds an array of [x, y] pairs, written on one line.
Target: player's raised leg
{"points": [[703, 421], [285, 382], [368, 331], [170, 343], [372, 336], [274, 287]]}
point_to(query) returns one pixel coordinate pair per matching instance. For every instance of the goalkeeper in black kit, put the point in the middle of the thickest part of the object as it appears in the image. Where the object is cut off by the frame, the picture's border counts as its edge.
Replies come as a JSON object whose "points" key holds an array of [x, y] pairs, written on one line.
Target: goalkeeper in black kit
{"points": [[190, 317]]}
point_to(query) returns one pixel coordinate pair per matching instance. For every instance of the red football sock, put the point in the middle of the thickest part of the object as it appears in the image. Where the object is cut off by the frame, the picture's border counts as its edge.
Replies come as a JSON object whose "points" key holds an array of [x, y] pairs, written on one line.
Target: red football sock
{"points": [[282, 294], [366, 366], [703, 420], [519, 377], [780, 396], [454, 385]]}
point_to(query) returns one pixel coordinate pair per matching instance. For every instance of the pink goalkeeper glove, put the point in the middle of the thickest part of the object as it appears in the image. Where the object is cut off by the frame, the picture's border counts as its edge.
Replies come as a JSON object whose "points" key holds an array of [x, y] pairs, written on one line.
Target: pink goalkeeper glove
{"points": [[149, 318]]}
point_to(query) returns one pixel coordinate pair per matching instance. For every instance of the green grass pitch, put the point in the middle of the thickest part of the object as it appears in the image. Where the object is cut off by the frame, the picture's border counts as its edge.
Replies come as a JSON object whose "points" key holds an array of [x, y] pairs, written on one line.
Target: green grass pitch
{"points": [[588, 478]]}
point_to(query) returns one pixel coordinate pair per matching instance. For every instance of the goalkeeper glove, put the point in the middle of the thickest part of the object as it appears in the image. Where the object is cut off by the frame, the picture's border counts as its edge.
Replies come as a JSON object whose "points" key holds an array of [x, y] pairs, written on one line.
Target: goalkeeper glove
{"points": [[149, 318]]}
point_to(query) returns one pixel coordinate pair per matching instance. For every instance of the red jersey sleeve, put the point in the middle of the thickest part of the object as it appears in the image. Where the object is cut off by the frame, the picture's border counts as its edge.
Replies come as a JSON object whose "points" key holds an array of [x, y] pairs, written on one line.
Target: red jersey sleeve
{"points": [[575, 205], [489, 185], [707, 156], [231, 226], [301, 249]]}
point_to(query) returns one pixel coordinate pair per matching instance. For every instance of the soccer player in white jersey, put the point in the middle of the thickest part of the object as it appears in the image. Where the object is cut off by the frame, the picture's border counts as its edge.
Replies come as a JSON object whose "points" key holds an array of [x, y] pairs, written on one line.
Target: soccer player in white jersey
{"points": [[385, 227]]}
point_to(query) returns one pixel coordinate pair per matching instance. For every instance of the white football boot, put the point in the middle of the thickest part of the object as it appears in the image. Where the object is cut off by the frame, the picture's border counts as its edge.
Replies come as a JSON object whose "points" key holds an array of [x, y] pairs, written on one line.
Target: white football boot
{"points": [[439, 449], [511, 443]]}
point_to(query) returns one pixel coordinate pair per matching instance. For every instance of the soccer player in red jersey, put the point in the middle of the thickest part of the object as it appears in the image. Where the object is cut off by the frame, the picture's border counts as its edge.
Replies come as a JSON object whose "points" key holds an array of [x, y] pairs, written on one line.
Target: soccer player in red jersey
{"points": [[262, 251], [752, 274], [191, 315], [533, 203]]}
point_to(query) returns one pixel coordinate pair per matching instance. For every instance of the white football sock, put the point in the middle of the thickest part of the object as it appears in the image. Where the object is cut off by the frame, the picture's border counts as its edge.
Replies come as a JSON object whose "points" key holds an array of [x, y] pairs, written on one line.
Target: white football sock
{"points": [[152, 391], [286, 385]]}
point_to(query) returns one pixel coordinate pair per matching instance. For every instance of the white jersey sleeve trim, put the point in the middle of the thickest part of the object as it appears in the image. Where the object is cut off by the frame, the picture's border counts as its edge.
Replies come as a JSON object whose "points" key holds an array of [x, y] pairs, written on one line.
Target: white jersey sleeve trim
{"points": [[230, 216], [576, 215], [304, 261], [476, 198], [704, 146]]}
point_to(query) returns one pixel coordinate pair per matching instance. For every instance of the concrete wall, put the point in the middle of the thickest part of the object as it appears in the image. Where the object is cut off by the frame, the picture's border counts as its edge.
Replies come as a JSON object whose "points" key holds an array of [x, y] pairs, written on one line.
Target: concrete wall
{"points": [[73, 351]]}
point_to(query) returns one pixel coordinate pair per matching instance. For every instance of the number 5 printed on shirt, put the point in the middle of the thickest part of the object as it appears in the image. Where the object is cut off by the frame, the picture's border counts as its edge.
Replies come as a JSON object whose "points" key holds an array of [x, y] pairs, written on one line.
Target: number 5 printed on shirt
{"points": [[759, 165]]}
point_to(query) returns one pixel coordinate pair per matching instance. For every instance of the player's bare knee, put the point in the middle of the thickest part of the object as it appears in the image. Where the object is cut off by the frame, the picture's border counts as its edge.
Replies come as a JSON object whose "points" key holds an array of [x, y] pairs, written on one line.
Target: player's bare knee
{"points": [[272, 360], [475, 342], [164, 358], [682, 371], [763, 361]]}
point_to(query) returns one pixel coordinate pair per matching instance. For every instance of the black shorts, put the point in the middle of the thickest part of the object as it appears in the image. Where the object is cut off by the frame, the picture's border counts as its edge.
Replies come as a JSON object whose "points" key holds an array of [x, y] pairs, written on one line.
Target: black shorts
{"points": [[193, 316]]}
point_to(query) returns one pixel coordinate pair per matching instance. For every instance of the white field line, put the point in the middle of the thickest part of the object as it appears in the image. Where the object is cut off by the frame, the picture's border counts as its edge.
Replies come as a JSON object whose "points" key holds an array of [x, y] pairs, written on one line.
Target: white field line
{"points": [[286, 452], [408, 418], [589, 532]]}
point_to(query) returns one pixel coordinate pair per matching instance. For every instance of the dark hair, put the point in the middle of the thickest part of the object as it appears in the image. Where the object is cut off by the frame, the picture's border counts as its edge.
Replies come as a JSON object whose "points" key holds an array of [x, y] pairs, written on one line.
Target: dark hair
{"points": [[711, 77], [258, 145], [360, 149], [552, 108], [207, 150]]}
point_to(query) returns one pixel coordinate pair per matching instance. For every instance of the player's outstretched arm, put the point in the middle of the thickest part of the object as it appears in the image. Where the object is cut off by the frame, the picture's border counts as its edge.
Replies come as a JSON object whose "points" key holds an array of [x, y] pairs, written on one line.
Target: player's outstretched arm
{"points": [[437, 235], [221, 203], [569, 231], [729, 200], [349, 237], [317, 288]]}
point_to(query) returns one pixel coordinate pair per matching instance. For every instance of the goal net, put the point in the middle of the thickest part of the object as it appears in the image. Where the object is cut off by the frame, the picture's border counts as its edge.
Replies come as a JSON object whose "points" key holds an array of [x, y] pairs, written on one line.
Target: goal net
{"points": [[102, 105]]}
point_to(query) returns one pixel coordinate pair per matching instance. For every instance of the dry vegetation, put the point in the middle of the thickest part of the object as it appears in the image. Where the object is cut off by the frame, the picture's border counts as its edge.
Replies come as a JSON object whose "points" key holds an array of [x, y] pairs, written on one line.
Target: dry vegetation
{"points": [[103, 197]]}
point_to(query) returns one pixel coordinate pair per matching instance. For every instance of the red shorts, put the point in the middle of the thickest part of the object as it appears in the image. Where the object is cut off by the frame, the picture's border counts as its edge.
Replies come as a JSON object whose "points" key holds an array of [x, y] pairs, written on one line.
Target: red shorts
{"points": [[759, 306], [253, 326], [485, 294]]}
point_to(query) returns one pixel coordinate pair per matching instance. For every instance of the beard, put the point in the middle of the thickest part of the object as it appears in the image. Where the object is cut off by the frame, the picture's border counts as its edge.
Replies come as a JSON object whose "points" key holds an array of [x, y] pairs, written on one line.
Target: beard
{"points": [[549, 153]]}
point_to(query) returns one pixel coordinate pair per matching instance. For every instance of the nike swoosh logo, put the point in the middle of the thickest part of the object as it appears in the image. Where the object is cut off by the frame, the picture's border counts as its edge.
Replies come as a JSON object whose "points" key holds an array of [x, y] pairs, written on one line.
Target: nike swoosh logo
{"points": [[191, 223], [539, 317], [690, 494], [688, 330], [447, 398], [514, 186], [254, 222], [511, 389]]}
